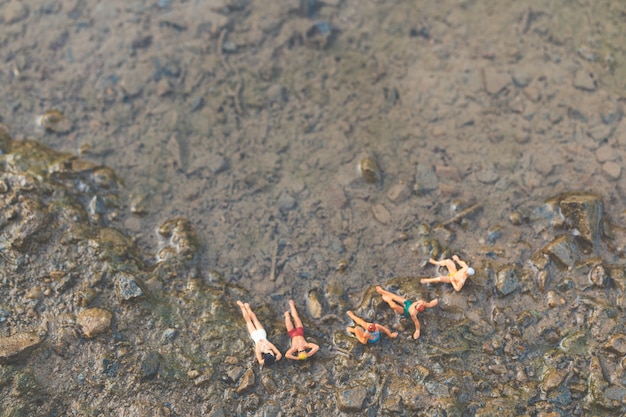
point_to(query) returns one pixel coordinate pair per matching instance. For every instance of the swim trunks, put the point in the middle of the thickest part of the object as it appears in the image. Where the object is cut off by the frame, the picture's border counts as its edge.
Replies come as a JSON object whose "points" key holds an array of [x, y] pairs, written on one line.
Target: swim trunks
{"points": [[258, 335], [298, 331], [407, 305], [375, 336]]}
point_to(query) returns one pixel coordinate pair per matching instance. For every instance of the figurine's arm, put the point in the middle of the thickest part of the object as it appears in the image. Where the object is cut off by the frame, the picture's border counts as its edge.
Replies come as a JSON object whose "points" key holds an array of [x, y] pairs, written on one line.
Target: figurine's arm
{"points": [[314, 348], [289, 354], [257, 353], [386, 331], [276, 351], [417, 327]]}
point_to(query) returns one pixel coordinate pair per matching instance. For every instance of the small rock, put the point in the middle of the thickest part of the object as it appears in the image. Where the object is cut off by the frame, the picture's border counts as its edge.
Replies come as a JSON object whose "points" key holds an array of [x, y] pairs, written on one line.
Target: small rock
{"points": [[583, 212], [563, 251], [507, 279], [235, 373], [276, 93], [11, 347], [612, 170], [351, 399], [495, 81], [448, 173], [425, 178], [247, 381], [150, 365], [605, 153], [584, 80], [164, 87], [552, 380], [127, 287], [399, 192], [286, 202], [14, 11], [617, 344], [94, 321], [488, 175], [598, 276], [313, 304], [521, 78], [381, 213]]}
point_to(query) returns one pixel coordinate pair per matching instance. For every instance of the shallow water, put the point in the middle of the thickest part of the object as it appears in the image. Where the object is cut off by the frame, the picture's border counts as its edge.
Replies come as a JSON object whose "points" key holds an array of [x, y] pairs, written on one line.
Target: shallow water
{"points": [[251, 120]]}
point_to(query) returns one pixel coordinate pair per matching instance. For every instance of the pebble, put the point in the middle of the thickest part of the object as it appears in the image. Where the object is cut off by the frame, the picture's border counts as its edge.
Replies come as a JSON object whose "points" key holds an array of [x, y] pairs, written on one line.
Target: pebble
{"points": [[313, 305], [399, 192], [247, 381], [14, 11], [495, 81], [617, 344], [563, 251], [94, 321], [12, 346], [584, 80], [351, 399], [605, 153], [150, 365], [612, 170], [381, 213], [507, 279], [425, 178], [552, 380], [127, 287], [521, 77], [488, 175], [448, 173]]}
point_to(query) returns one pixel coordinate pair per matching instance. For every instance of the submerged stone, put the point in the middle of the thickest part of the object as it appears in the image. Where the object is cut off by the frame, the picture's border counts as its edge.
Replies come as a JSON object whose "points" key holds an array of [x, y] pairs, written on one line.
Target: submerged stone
{"points": [[563, 251], [15, 346], [507, 279], [583, 213], [127, 287], [94, 321], [351, 399]]}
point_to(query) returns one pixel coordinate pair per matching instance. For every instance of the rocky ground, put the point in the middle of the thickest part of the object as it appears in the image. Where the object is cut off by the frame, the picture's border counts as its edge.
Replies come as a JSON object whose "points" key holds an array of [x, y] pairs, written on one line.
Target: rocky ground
{"points": [[166, 158]]}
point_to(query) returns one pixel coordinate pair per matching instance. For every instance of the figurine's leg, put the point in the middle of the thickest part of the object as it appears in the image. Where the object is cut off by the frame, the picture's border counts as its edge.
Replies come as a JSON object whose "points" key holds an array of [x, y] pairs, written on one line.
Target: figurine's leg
{"points": [[253, 317], [357, 319], [389, 295], [246, 317], [294, 314], [359, 333], [288, 323], [442, 278], [450, 265]]}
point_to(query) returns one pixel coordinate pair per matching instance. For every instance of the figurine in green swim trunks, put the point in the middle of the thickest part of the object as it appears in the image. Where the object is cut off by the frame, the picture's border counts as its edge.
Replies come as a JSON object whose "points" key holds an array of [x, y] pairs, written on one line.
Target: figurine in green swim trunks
{"points": [[406, 307]]}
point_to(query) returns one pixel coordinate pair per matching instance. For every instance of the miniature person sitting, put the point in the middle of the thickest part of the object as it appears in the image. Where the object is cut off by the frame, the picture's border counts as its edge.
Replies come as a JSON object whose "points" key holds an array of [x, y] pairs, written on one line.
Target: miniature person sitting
{"points": [[265, 352], [368, 332], [300, 348], [406, 307], [455, 277]]}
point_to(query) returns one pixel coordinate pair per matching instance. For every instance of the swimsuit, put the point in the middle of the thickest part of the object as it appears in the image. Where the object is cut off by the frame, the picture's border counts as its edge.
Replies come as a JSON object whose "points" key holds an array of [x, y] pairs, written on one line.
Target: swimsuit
{"points": [[297, 331], [407, 305], [375, 336], [258, 335]]}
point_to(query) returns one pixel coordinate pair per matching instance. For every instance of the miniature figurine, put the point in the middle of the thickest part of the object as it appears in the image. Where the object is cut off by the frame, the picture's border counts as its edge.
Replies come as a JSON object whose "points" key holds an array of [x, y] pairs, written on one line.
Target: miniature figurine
{"points": [[455, 277], [265, 352], [368, 332], [406, 307], [300, 348]]}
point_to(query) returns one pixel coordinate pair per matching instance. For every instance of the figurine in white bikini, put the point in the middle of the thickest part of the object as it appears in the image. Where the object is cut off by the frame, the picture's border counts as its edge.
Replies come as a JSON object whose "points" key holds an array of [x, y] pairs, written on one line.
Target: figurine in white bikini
{"points": [[265, 352]]}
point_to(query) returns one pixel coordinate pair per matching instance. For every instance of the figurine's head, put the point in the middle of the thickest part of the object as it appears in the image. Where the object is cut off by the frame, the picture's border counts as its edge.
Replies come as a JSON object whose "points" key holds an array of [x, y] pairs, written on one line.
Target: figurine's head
{"points": [[371, 327], [420, 307], [470, 271], [268, 358], [302, 355]]}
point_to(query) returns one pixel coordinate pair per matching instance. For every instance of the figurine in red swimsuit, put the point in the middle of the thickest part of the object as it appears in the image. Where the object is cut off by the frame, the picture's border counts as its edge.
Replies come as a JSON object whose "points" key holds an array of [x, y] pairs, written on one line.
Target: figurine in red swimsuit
{"points": [[300, 348]]}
